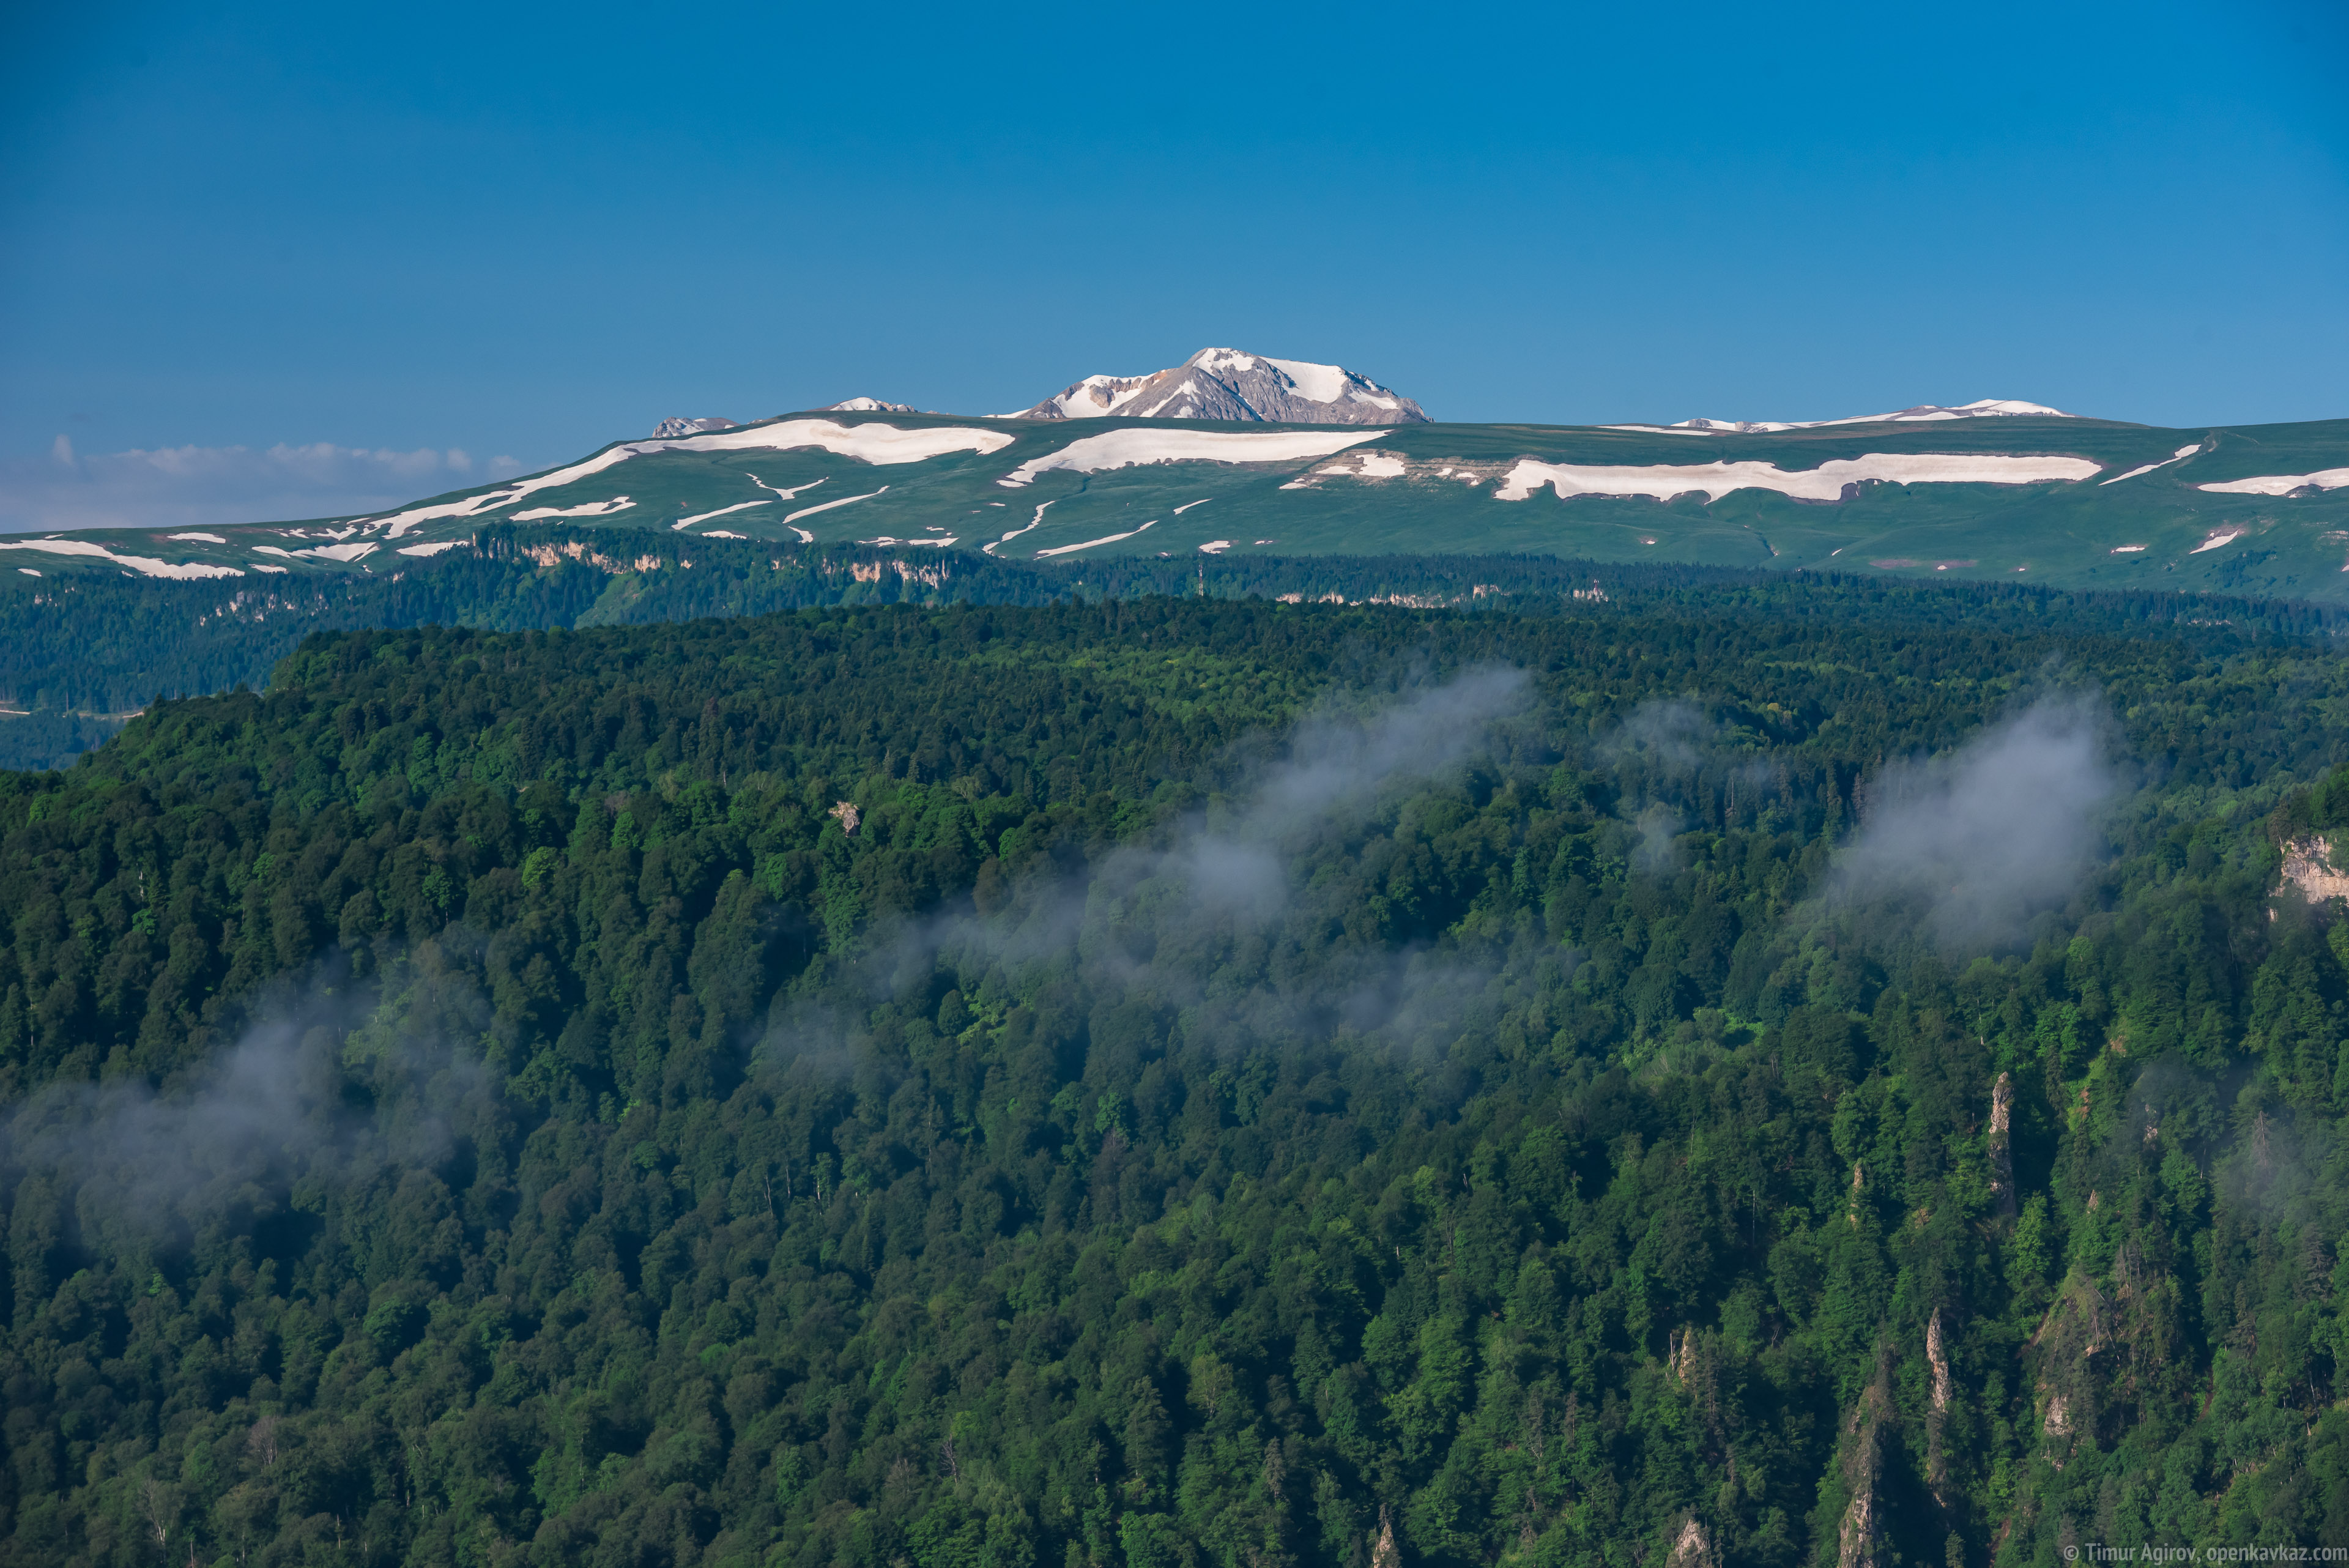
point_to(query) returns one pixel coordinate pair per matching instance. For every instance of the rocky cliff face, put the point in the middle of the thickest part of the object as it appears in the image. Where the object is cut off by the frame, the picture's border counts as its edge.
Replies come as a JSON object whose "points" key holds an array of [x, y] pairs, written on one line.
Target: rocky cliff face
{"points": [[2002, 1153], [671, 428], [1229, 384], [2308, 865]]}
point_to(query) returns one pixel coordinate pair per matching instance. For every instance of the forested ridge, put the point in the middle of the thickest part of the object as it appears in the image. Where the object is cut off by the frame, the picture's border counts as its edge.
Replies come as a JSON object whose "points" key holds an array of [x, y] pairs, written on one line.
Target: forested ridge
{"points": [[1158, 1083], [79, 651]]}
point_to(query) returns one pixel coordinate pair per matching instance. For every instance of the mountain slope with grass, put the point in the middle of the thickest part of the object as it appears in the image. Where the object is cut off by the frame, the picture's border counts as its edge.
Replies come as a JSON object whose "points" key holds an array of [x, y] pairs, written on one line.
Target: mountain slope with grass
{"points": [[2042, 498]]}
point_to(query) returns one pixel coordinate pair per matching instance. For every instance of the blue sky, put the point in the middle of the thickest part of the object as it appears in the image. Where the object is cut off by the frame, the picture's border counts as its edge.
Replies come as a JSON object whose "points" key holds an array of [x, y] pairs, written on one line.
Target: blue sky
{"points": [[370, 237]]}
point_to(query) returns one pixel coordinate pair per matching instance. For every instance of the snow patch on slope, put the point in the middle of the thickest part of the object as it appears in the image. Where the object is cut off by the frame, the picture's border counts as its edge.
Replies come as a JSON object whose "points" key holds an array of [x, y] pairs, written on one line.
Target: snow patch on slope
{"points": [[589, 509], [2281, 484], [343, 553], [1825, 483], [1374, 465], [1032, 523], [145, 565], [875, 443], [1133, 448], [1321, 383], [808, 538], [2180, 455], [1105, 539], [705, 517], [779, 490], [1924, 413]]}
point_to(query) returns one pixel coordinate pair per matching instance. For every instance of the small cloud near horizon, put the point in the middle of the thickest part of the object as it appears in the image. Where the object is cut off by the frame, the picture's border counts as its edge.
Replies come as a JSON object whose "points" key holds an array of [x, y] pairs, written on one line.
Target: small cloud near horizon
{"points": [[199, 486]]}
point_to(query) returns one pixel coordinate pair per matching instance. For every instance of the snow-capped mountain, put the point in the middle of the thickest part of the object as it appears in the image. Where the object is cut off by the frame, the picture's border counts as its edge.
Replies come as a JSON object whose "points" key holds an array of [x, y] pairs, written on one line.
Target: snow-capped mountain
{"points": [[671, 428], [1229, 384], [867, 406], [1924, 413]]}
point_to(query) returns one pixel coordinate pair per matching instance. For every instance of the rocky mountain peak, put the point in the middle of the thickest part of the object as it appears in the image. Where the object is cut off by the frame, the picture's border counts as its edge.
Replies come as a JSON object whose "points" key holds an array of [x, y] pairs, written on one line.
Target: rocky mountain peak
{"points": [[1235, 385], [671, 428]]}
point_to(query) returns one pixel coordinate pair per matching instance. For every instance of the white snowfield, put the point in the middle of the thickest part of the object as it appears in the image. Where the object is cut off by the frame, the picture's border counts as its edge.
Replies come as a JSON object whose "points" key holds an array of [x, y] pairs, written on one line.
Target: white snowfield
{"points": [[432, 549], [1315, 383], [206, 538], [2215, 541], [344, 552], [1105, 539], [1374, 465], [2281, 484], [1331, 384], [1095, 397], [145, 565], [1032, 521], [1825, 483], [1924, 413], [676, 426], [869, 442], [875, 443], [705, 517], [808, 538], [1228, 384], [588, 508], [2180, 455], [1134, 448]]}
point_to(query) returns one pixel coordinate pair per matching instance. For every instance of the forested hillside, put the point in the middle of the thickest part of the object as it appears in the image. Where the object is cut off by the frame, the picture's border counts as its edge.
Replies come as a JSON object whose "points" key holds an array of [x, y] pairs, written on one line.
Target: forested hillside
{"points": [[1163, 1082], [79, 653]]}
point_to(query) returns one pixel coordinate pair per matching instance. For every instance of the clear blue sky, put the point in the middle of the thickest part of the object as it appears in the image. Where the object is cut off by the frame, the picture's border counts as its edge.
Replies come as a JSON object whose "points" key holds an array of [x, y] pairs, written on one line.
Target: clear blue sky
{"points": [[524, 232]]}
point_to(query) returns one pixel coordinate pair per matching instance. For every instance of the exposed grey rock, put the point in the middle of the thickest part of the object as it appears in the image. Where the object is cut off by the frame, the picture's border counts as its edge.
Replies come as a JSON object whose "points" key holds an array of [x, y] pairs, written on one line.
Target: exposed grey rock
{"points": [[1694, 1549], [2001, 1155], [1939, 1355], [671, 428]]}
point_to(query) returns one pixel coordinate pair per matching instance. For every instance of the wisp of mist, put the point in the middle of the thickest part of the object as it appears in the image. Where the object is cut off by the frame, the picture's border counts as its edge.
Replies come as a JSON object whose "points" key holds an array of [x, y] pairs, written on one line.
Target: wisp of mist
{"points": [[1218, 899], [1980, 839]]}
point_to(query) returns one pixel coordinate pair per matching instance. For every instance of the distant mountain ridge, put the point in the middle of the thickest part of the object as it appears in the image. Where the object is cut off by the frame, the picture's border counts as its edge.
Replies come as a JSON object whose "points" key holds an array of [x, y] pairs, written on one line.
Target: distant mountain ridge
{"points": [[1233, 384], [868, 406], [2010, 489]]}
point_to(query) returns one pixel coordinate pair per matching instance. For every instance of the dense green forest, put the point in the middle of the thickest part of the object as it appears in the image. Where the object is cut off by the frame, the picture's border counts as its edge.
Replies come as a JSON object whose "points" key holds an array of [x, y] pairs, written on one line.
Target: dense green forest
{"points": [[81, 650], [1713, 1076]]}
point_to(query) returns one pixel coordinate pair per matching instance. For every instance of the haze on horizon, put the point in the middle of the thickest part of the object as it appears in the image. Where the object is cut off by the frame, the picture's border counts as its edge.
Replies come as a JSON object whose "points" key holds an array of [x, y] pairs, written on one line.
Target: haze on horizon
{"points": [[317, 260]]}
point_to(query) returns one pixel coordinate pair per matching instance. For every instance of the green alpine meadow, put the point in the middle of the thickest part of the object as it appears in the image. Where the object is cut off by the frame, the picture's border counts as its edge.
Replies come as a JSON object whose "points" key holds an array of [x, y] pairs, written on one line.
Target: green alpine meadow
{"points": [[613, 1048]]}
